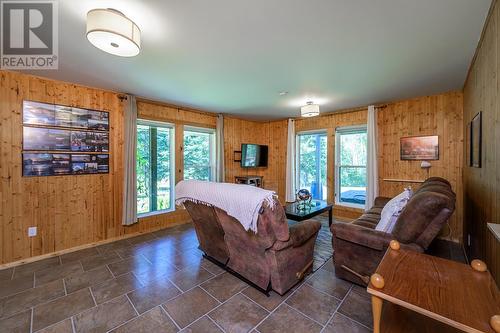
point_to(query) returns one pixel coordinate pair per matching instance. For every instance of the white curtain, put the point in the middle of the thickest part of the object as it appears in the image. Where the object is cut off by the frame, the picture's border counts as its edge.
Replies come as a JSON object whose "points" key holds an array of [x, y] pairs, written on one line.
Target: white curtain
{"points": [[219, 160], [371, 163], [290, 162], [130, 145]]}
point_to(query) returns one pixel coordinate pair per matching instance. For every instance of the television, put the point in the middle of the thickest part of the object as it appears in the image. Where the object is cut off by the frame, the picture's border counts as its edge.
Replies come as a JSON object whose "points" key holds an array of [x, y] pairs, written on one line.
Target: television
{"points": [[253, 156]]}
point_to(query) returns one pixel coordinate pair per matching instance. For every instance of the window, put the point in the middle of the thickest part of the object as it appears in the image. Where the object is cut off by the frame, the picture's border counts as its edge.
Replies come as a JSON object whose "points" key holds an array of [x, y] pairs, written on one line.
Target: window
{"points": [[199, 153], [311, 163], [155, 167], [350, 166]]}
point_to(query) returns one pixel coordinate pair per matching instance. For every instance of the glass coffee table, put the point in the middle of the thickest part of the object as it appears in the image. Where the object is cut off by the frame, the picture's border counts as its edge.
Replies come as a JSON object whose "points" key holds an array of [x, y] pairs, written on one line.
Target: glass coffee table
{"points": [[293, 212]]}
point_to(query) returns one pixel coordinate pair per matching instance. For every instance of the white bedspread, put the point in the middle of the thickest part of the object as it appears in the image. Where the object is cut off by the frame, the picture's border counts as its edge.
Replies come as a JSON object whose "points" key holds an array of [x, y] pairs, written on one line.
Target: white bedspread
{"points": [[243, 202]]}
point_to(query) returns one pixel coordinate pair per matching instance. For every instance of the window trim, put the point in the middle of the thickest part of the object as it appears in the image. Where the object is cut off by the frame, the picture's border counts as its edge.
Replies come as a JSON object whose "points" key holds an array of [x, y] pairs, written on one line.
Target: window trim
{"points": [[323, 131], [212, 143], [171, 127], [339, 131]]}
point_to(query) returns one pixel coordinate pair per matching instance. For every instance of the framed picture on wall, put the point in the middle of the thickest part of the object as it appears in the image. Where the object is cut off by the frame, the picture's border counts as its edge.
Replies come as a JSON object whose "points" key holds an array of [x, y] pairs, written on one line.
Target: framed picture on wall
{"points": [[476, 145], [63, 140], [468, 144], [419, 148]]}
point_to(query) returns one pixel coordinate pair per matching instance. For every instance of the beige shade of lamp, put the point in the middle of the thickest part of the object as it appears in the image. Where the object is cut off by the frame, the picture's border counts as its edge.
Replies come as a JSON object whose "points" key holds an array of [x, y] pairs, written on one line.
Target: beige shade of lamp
{"points": [[111, 31], [309, 110]]}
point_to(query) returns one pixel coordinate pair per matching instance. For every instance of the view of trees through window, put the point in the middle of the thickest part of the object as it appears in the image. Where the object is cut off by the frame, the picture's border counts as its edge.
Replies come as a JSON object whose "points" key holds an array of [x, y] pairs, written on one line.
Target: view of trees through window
{"points": [[154, 190], [312, 162], [351, 164], [198, 154]]}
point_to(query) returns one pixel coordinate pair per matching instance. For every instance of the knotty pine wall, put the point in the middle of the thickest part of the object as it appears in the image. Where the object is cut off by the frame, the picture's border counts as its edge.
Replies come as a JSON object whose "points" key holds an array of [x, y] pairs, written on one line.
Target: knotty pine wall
{"points": [[440, 115], [273, 134], [433, 115], [482, 185], [71, 211]]}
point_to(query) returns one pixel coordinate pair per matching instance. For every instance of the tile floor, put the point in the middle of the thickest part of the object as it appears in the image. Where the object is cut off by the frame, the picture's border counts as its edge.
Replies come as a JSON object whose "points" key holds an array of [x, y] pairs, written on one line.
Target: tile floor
{"points": [[159, 282]]}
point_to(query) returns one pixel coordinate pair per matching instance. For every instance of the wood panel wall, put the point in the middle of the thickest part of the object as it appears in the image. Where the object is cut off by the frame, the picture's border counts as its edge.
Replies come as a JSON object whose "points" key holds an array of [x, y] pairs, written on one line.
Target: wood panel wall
{"points": [[273, 134], [440, 115], [433, 115], [482, 185], [70, 211]]}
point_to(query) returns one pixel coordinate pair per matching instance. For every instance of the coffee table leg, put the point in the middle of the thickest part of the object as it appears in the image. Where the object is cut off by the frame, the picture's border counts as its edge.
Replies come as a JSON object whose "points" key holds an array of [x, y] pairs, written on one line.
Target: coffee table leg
{"points": [[330, 217], [377, 312]]}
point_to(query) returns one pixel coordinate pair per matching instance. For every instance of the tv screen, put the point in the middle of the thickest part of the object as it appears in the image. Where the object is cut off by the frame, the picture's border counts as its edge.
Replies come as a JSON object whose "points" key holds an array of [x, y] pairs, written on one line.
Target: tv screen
{"points": [[253, 156]]}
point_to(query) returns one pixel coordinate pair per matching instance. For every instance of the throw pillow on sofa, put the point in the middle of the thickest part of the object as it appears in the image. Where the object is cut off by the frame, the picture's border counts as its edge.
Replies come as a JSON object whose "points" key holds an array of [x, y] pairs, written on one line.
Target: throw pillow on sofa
{"points": [[392, 209]]}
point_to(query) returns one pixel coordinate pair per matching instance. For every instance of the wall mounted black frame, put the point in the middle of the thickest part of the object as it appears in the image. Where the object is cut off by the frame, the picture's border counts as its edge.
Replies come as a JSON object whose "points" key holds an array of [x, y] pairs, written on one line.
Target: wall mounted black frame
{"points": [[476, 140]]}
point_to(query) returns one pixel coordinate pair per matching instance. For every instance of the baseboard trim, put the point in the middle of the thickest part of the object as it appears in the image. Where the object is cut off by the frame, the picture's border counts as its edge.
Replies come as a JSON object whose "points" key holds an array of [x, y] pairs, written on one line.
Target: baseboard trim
{"points": [[81, 247]]}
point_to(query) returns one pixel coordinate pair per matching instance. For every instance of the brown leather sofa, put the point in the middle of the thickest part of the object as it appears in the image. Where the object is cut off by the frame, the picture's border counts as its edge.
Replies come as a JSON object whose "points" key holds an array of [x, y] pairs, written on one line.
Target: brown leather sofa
{"points": [[275, 258], [359, 248]]}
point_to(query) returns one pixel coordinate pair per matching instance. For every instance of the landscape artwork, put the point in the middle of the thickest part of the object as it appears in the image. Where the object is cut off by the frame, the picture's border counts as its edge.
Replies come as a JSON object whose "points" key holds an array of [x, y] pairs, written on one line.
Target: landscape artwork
{"points": [[420, 148]]}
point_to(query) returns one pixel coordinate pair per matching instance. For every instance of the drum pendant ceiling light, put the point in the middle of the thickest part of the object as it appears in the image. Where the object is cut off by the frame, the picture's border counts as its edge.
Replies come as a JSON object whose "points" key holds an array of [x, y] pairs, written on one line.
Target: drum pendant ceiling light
{"points": [[111, 31], [309, 110]]}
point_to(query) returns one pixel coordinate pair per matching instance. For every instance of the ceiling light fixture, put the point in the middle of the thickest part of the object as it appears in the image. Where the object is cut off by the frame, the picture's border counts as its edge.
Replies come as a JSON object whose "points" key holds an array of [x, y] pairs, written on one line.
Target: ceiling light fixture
{"points": [[283, 93], [111, 31], [309, 110]]}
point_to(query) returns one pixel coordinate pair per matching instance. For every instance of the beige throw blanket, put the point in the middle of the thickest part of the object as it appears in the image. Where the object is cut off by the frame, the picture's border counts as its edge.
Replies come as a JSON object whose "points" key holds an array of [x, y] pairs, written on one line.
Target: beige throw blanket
{"points": [[243, 202]]}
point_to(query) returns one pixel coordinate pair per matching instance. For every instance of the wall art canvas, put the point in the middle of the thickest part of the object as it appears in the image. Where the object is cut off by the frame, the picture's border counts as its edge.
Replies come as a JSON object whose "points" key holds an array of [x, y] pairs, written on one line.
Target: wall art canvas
{"points": [[477, 137], [49, 129], [420, 148]]}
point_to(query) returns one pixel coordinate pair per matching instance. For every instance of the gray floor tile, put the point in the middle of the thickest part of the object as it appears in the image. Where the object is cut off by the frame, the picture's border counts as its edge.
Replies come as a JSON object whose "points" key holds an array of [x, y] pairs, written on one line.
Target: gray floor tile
{"points": [[90, 263], [57, 310], [115, 287], [326, 281], [144, 238], [288, 320], [152, 321], [190, 277], [30, 298], [56, 273], [105, 316], [152, 295], [64, 326], [6, 274], [239, 314], [357, 306], [19, 323], [79, 281], [202, 325], [78, 255], [130, 264], [314, 304], [211, 267], [29, 269], [270, 303], [224, 286], [190, 306], [342, 324], [159, 269], [9, 287]]}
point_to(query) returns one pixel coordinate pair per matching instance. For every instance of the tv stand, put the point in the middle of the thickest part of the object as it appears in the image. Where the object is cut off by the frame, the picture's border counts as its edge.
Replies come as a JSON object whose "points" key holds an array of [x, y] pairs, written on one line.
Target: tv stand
{"points": [[249, 180]]}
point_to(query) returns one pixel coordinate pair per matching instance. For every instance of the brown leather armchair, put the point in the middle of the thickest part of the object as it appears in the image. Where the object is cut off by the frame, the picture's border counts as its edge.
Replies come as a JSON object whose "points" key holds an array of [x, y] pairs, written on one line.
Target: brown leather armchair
{"points": [[275, 258], [359, 248]]}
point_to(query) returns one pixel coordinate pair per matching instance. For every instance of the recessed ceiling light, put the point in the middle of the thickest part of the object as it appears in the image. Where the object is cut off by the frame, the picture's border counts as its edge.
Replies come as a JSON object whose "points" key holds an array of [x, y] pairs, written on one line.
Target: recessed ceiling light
{"points": [[283, 93], [111, 31]]}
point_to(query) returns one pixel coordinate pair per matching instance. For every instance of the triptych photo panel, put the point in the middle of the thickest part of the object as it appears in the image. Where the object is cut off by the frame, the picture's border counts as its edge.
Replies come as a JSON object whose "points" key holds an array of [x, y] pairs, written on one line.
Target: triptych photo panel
{"points": [[61, 140]]}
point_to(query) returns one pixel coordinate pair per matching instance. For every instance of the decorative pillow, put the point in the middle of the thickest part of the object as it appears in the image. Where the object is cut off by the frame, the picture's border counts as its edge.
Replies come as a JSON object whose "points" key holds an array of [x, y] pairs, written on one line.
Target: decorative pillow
{"points": [[392, 209]]}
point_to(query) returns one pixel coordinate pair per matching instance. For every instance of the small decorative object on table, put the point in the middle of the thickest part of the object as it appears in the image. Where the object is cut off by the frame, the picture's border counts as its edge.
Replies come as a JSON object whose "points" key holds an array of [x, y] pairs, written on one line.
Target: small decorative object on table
{"points": [[304, 199]]}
